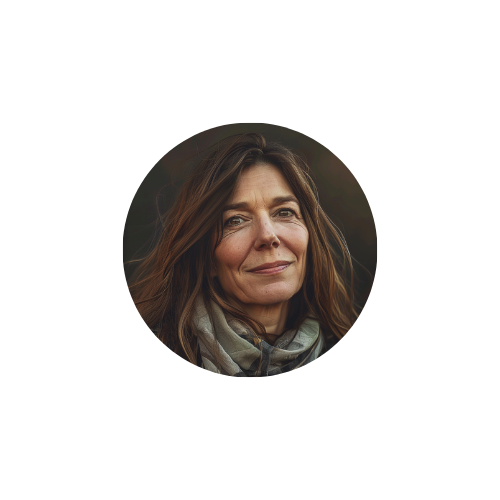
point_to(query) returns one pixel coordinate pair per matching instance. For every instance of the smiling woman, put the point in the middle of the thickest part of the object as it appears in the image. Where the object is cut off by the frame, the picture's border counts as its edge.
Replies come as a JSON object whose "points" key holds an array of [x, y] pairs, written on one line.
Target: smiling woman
{"points": [[261, 259], [249, 276]]}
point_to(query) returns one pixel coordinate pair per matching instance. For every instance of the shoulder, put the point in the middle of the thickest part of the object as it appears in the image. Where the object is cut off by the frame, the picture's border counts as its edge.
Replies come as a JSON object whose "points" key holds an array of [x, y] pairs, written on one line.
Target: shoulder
{"points": [[329, 341], [160, 332], [156, 330]]}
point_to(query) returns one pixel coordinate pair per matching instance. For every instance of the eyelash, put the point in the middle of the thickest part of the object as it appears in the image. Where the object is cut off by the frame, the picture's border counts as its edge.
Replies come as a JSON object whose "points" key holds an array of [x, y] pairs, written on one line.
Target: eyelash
{"points": [[226, 224]]}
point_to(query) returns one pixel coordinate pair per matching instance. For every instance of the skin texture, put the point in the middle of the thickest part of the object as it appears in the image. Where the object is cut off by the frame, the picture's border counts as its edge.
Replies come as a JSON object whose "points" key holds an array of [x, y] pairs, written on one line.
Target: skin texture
{"points": [[264, 230]]}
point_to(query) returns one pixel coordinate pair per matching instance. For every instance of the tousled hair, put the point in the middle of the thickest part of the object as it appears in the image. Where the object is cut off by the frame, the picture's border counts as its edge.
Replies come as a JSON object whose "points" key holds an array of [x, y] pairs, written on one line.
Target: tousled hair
{"points": [[179, 267]]}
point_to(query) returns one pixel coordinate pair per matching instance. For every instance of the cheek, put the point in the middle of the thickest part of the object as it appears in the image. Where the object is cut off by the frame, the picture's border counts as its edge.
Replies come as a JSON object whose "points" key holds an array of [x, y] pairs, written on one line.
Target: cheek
{"points": [[230, 254], [233, 250], [297, 237]]}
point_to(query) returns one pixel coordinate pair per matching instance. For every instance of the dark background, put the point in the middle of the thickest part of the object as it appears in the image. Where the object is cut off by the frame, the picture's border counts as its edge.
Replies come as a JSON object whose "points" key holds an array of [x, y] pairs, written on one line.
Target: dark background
{"points": [[340, 195]]}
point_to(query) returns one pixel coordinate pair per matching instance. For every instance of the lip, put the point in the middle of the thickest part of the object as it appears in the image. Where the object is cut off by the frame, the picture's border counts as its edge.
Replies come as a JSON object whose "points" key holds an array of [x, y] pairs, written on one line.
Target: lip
{"points": [[271, 268], [277, 263]]}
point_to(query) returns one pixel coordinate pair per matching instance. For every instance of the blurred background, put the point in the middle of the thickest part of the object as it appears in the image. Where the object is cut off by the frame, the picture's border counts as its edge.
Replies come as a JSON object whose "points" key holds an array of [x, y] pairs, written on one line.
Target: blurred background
{"points": [[340, 196]]}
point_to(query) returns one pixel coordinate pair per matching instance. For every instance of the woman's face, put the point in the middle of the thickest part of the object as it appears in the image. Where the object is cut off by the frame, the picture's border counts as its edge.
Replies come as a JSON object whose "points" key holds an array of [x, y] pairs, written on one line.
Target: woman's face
{"points": [[262, 256]]}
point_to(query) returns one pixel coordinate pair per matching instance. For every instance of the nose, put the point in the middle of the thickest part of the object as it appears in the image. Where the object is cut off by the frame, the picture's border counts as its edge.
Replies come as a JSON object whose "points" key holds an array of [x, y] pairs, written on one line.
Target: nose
{"points": [[266, 237]]}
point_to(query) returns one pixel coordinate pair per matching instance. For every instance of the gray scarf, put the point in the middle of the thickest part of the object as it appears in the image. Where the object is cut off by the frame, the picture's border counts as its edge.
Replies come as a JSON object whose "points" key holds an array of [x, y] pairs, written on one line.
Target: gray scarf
{"points": [[240, 354]]}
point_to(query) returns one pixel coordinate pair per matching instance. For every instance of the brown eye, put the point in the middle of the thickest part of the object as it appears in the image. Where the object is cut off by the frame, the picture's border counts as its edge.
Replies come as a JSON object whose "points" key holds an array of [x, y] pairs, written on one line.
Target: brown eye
{"points": [[234, 221], [228, 221], [286, 212]]}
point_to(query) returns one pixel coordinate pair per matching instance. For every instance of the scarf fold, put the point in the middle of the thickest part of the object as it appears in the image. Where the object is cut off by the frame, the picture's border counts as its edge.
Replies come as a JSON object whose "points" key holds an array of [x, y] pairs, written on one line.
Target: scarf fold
{"points": [[229, 346]]}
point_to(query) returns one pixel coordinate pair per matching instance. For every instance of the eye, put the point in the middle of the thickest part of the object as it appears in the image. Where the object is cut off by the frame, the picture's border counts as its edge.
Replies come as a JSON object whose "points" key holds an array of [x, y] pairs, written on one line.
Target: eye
{"points": [[227, 223], [230, 219], [286, 212]]}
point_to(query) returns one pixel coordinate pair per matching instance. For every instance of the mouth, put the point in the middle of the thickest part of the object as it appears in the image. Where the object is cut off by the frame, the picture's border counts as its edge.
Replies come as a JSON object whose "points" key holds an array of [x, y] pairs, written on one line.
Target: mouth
{"points": [[273, 270]]}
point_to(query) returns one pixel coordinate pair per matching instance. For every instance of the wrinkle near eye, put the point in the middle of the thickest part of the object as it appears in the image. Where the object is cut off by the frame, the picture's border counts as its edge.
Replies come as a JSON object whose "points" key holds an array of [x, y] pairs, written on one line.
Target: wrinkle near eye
{"points": [[295, 214]]}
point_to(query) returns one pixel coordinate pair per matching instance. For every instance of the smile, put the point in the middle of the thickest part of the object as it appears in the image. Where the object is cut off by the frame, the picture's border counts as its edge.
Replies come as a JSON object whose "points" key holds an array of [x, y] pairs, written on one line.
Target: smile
{"points": [[272, 270]]}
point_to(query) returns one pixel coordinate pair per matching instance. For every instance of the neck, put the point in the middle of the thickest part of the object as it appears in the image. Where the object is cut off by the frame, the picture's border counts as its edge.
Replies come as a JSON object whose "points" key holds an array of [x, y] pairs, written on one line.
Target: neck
{"points": [[273, 317]]}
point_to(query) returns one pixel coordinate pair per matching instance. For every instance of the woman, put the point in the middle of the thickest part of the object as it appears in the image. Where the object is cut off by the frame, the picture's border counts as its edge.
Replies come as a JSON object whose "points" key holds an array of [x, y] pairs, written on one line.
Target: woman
{"points": [[249, 277]]}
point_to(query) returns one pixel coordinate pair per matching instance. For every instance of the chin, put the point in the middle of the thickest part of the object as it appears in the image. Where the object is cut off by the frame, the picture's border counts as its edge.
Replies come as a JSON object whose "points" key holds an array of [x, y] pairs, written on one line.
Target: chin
{"points": [[274, 293]]}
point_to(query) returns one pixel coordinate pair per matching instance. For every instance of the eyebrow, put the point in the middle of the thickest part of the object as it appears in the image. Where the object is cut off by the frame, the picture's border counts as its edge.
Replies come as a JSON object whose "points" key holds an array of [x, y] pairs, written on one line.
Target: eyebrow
{"points": [[278, 200]]}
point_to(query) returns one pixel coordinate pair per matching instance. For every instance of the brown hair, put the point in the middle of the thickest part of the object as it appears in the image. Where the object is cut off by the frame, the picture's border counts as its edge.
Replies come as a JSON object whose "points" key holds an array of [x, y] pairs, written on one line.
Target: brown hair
{"points": [[178, 269]]}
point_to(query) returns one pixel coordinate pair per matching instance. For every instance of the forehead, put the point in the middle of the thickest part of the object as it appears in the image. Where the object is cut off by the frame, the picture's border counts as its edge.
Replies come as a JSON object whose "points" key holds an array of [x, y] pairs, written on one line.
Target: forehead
{"points": [[260, 181]]}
